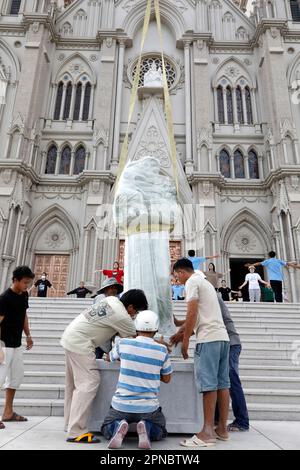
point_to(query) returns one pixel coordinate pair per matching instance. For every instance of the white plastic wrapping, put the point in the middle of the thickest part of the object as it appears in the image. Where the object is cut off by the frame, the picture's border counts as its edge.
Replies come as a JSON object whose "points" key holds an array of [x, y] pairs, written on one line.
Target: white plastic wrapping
{"points": [[145, 209]]}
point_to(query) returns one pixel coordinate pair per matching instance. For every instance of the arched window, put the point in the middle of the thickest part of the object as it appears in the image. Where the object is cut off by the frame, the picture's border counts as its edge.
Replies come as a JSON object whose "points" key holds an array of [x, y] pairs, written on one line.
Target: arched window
{"points": [[239, 171], [248, 105], [220, 99], [253, 165], [65, 161], [68, 101], [51, 160], [79, 163], [239, 104], [15, 7], [229, 105], [295, 10], [58, 101], [77, 102], [225, 163], [86, 103]]}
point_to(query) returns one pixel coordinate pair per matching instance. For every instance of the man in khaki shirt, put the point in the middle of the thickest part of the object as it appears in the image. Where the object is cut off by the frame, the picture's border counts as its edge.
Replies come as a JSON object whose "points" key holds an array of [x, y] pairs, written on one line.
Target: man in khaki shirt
{"points": [[91, 329], [211, 359]]}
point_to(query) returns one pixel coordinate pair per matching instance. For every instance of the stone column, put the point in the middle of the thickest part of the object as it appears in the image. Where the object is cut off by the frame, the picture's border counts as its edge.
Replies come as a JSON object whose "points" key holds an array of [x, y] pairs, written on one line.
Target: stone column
{"points": [[115, 156], [81, 102], [244, 106], [188, 123], [62, 106], [232, 175]]}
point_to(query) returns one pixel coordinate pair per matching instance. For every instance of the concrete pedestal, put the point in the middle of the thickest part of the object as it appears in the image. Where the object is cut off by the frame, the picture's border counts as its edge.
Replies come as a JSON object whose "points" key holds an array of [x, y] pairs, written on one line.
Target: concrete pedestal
{"points": [[180, 401]]}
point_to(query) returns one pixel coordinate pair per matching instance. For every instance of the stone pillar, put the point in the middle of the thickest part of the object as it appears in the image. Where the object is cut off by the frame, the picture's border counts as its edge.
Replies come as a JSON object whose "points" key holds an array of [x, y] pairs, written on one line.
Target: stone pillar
{"points": [[188, 121], [115, 156]]}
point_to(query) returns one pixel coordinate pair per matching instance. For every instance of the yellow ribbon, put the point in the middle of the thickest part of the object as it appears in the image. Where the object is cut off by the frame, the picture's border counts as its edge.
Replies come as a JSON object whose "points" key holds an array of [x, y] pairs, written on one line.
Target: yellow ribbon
{"points": [[168, 107], [124, 149]]}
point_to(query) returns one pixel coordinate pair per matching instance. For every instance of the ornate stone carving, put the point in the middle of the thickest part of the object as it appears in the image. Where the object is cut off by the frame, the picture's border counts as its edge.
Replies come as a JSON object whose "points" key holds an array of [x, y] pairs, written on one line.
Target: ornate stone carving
{"points": [[215, 60], [294, 182], [153, 146], [206, 187], [6, 176], [274, 32], [61, 57], [232, 71], [93, 57], [55, 238], [245, 242], [129, 4], [35, 27], [109, 42]]}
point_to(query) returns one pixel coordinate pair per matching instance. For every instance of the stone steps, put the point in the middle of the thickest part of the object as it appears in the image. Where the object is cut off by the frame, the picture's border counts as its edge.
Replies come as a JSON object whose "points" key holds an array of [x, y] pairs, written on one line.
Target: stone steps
{"points": [[268, 332]]}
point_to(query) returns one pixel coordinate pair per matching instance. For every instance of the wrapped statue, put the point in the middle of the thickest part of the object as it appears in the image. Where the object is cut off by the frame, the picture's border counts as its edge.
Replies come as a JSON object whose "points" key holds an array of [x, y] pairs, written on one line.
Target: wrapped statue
{"points": [[145, 209]]}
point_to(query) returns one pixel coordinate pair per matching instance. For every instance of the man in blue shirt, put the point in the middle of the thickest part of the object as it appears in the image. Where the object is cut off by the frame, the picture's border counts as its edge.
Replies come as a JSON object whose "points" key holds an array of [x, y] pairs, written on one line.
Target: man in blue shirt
{"points": [[275, 274], [144, 363], [177, 291], [197, 260]]}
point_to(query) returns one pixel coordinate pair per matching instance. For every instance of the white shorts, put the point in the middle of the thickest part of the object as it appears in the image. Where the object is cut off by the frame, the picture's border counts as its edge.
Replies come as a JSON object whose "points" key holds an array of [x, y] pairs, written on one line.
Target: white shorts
{"points": [[12, 369]]}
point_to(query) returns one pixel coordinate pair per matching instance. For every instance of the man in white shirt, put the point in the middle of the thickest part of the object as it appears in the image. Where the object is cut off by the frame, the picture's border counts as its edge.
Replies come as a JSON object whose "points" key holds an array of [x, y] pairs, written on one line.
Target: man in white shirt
{"points": [[254, 290], [92, 328], [211, 360]]}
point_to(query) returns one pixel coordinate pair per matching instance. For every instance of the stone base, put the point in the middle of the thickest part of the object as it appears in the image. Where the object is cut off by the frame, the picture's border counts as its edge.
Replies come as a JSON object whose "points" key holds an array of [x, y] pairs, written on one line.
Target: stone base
{"points": [[180, 401]]}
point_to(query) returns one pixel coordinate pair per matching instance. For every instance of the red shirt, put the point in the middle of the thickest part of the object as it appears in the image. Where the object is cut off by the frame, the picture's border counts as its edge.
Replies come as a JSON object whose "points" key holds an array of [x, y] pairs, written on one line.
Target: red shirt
{"points": [[116, 273]]}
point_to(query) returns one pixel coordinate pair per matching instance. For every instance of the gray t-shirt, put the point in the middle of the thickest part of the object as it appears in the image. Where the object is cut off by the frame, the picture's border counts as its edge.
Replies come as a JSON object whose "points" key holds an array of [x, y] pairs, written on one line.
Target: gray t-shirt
{"points": [[228, 322]]}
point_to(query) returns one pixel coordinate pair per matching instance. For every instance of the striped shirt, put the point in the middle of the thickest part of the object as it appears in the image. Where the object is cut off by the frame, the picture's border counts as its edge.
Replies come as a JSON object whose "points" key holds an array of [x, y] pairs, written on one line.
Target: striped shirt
{"points": [[143, 361]]}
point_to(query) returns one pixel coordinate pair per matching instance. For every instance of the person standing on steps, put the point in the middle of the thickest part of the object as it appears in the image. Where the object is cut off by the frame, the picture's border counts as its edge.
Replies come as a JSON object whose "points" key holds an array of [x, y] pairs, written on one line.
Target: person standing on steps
{"points": [[13, 321], [80, 291], [254, 279], [275, 275], [198, 260], [116, 272], [42, 285]]}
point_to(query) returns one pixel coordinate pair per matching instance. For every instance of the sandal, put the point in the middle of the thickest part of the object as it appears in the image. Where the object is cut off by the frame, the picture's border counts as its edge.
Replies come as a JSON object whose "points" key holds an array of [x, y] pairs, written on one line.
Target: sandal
{"points": [[2, 425], [236, 428], [15, 417], [87, 438], [196, 442]]}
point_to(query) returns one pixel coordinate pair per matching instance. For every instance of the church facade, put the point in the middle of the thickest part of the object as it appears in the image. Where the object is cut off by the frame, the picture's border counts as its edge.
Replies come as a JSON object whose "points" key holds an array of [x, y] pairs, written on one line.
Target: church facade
{"points": [[66, 75]]}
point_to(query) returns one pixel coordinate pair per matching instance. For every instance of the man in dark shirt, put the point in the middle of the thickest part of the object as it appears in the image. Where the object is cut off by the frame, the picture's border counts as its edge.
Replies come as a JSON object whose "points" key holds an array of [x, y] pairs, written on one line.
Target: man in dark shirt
{"points": [[42, 285], [80, 291], [13, 321]]}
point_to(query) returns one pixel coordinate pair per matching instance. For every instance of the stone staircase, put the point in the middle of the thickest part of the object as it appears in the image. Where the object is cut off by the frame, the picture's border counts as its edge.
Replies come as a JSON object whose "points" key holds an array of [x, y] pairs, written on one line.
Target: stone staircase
{"points": [[268, 332]]}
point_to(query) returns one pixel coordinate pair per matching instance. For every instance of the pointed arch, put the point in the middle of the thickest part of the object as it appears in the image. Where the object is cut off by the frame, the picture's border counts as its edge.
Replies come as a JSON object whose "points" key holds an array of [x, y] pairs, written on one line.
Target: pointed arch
{"points": [[239, 73], [250, 220], [40, 224], [169, 14], [64, 69]]}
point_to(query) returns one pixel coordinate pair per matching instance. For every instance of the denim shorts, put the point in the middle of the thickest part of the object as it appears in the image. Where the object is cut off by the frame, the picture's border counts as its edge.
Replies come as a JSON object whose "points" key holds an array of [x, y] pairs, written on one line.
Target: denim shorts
{"points": [[211, 366]]}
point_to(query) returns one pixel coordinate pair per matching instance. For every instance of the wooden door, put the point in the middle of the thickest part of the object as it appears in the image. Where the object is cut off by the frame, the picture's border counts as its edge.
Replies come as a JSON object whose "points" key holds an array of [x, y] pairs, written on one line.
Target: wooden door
{"points": [[57, 269]]}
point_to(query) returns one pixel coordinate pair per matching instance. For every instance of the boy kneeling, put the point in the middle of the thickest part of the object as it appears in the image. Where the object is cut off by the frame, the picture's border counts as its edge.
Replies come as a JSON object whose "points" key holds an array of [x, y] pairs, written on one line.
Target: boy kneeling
{"points": [[144, 362]]}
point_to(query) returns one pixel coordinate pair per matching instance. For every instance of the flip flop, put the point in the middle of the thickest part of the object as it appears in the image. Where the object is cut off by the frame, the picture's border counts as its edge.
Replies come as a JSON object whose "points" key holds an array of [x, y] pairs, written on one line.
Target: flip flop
{"points": [[16, 418], [196, 442], [87, 438], [2, 425]]}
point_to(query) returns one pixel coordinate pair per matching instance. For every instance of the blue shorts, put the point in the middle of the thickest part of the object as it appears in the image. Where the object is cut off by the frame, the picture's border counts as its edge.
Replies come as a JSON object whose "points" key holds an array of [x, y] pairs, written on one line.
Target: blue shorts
{"points": [[211, 366]]}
